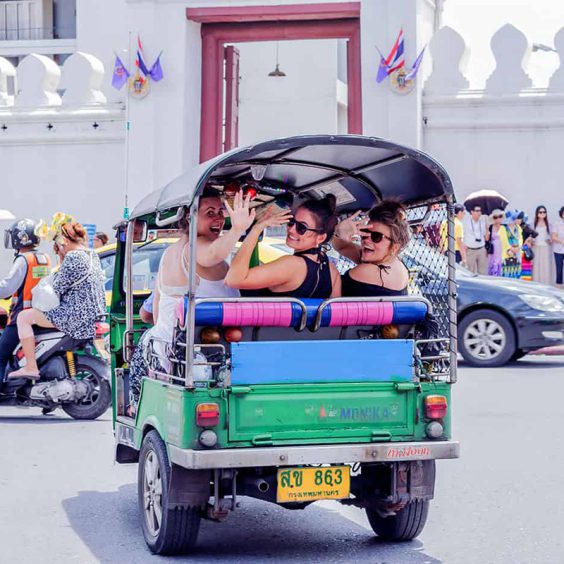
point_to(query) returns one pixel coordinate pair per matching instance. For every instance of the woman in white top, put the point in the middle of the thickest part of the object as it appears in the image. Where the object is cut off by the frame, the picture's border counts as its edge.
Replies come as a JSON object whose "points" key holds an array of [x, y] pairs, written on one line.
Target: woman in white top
{"points": [[543, 270], [172, 279]]}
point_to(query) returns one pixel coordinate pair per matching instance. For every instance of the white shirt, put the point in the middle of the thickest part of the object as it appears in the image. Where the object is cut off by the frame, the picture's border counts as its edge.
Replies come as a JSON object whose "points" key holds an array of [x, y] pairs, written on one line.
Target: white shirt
{"points": [[558, 230], [474, 232]]}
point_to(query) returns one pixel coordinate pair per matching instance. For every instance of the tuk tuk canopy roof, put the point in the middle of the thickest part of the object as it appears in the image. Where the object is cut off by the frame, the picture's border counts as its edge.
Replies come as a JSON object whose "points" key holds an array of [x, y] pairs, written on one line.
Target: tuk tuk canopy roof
{"points": [[357, 170]]}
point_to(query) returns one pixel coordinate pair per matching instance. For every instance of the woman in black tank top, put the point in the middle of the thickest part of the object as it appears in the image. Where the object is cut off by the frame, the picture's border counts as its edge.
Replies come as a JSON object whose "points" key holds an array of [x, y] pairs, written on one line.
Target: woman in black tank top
{"points": [[307, 273], [379, 271]]}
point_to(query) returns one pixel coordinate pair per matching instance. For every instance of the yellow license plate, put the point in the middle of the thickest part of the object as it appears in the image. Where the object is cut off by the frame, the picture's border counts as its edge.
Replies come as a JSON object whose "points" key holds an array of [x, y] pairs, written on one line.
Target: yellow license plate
{"points": [[310, 484]]}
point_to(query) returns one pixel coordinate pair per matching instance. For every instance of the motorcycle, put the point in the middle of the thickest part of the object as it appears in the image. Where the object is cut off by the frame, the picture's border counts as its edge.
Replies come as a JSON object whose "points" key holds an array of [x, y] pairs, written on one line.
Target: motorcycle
{"points": [[74, 375]]}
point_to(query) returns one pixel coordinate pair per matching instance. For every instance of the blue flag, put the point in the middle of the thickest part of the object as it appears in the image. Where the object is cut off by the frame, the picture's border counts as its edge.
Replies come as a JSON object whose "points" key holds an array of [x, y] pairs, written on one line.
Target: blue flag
{"points": [[156, 72], [121, 74], [415, 67], [382, 69]]}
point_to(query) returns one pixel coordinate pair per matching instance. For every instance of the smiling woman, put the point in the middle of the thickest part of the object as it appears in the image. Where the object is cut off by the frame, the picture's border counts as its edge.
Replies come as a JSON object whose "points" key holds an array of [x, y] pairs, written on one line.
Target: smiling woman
{"points": [[305, 274], [384, 234]]}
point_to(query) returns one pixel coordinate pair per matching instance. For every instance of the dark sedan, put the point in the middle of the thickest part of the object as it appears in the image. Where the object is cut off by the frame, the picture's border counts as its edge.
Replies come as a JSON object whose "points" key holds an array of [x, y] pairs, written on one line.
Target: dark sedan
{"points": [[500, 319]]}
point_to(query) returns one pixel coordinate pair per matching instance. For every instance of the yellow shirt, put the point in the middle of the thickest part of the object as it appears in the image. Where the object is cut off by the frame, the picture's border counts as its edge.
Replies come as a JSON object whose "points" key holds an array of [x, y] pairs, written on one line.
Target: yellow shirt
{"points": [[458, 234]]}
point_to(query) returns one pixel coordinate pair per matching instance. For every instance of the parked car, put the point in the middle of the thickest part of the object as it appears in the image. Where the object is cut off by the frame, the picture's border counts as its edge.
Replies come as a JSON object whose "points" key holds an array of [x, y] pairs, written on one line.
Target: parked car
{"points": [[499, 319]]}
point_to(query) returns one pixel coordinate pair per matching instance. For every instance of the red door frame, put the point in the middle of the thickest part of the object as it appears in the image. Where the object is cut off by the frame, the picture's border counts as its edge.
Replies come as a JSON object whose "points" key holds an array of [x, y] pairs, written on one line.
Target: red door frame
{"points": [[271, 23]]}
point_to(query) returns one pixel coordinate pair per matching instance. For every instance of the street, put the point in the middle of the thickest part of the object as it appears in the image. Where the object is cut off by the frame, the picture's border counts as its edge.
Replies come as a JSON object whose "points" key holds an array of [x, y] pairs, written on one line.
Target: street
{"points": [[63, 499]]}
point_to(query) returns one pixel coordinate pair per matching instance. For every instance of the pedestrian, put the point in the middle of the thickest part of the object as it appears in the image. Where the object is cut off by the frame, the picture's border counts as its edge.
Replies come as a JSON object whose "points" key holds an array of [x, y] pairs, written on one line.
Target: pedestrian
{"points": [[543, 264], [459, 249], [511, 266], [100, 239], [475, 236], [497, 240], [558, 246], [527, 253]]}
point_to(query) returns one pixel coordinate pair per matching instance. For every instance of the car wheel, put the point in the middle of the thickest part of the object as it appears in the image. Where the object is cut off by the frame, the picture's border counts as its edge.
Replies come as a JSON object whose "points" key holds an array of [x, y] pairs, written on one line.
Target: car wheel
{"points": [[486, 338]]}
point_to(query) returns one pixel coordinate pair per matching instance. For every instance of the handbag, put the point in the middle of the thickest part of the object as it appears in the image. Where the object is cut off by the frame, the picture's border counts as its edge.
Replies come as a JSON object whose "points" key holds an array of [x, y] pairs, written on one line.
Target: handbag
{"points": [[43, 295], [528, 253], [489, 244]]}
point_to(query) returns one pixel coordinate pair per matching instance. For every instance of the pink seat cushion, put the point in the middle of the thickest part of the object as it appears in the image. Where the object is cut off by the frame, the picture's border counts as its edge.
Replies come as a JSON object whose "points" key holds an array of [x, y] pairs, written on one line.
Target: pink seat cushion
{"points": [[361, 313], [258, 314]]}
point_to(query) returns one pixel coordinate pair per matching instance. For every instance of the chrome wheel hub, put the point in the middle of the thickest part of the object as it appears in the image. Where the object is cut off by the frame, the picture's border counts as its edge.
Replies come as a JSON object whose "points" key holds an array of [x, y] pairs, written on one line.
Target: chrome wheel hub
{"points": [[152, 493], [485, 339]]}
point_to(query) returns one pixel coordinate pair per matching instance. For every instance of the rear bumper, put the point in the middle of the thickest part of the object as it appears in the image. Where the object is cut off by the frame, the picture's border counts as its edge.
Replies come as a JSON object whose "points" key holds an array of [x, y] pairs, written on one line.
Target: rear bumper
{"points": [[324, 454]]}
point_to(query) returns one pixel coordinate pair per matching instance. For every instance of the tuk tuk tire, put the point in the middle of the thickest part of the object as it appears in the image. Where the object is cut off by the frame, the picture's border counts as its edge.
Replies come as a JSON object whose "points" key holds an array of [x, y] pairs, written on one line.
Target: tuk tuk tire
{"points": [[405, 525], [179, 526]]}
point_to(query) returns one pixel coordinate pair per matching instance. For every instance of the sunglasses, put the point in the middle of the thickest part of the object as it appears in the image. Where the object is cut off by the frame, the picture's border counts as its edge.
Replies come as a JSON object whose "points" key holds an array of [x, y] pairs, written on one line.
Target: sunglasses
{"points": [[477, 210], [301, 228], [376, 236], [498, 217], [542, 211]]}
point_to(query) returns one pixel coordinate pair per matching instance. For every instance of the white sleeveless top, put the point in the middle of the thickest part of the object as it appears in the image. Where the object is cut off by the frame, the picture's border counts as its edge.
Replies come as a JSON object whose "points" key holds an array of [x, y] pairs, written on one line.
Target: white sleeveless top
{"points": [[171, 296]]}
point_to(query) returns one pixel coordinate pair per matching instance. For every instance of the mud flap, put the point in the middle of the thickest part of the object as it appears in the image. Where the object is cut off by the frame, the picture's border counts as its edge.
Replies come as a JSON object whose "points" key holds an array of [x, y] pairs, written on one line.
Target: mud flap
{"points": [[188, 488]]}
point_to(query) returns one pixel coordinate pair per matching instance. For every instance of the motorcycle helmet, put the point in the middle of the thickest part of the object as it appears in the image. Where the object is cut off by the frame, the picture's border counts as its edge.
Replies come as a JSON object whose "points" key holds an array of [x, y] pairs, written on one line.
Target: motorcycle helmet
{"points": [[21, 234]]}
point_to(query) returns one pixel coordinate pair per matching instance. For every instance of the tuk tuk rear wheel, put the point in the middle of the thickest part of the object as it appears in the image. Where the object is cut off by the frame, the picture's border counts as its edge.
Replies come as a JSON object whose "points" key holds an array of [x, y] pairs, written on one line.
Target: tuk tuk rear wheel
{"points": [[166, 530], [405, 525]]}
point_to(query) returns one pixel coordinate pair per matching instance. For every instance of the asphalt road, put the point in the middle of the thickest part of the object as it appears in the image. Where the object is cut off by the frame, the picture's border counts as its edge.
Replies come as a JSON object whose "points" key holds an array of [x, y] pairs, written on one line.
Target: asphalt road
{"points": [[63, 500]]}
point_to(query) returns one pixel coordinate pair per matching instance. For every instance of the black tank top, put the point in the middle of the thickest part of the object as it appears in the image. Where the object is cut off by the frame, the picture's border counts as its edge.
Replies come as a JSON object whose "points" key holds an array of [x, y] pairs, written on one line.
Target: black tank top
{"points": [[317, 283], [353, 288]]}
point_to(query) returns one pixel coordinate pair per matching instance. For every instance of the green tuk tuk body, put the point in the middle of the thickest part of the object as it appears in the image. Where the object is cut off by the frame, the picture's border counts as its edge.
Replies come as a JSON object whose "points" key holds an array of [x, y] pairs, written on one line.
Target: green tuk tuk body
{"points": [[318, 406]]}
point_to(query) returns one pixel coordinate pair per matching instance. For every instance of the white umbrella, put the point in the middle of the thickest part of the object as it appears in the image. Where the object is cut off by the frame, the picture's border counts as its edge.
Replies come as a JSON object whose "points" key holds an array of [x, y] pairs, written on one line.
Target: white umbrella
{"points": [[6, 215]]}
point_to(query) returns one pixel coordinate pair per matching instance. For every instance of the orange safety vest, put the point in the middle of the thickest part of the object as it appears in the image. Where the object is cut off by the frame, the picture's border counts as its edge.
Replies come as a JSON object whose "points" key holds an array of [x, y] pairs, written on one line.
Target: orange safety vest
{"points": [[38, 266]]}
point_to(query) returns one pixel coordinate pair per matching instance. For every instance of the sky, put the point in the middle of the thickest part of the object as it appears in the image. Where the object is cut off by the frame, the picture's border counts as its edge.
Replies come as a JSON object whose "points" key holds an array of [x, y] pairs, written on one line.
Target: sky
{"points": [[478, 20]]}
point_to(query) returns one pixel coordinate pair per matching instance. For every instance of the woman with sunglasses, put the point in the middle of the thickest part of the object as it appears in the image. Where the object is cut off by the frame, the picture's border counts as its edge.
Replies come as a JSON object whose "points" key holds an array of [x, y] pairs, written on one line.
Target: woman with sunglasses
{"points": [[307, 273], [384, 235], [543, 270], [498, 240]]}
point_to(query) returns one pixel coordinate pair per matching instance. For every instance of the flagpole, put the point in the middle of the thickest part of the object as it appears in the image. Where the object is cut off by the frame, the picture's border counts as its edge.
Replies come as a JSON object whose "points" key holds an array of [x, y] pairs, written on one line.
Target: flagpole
{"points": [[127, 129]]}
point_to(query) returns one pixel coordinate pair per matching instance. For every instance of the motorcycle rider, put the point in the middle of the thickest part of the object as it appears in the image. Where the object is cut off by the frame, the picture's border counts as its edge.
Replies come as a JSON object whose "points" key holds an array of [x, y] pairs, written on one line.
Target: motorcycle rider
{"points": [[28, 268]]}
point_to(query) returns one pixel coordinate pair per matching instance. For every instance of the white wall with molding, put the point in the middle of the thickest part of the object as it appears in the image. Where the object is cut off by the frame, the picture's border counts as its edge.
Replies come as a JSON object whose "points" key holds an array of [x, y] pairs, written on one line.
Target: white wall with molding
{"points": [[507, 136]]}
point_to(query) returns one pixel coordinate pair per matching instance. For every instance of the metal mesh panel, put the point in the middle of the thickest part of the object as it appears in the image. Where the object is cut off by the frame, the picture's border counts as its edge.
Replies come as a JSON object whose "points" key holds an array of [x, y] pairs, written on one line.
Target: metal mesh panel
{"points": [[427, 259]]}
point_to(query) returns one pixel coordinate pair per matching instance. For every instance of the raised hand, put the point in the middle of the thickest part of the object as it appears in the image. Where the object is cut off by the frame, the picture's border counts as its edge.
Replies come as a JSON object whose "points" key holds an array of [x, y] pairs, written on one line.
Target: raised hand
{"points": [[273, 219], [348, 229], [240, 214]]}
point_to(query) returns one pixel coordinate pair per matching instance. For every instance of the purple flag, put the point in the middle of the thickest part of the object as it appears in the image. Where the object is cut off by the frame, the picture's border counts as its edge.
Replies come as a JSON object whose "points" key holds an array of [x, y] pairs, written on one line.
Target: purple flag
{"points": [[156, 71], [382, 69], [121, 74], [141, 64], [415, 67]]}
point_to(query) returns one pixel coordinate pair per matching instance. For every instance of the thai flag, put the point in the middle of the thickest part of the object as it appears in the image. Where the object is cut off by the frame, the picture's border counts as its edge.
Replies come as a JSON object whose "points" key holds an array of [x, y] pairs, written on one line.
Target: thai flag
{"points": [[396, 59]]}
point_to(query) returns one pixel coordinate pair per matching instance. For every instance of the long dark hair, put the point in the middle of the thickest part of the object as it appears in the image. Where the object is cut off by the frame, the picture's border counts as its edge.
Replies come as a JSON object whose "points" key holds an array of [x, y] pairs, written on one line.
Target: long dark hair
{"points": [[324, 211], [545, 219]]}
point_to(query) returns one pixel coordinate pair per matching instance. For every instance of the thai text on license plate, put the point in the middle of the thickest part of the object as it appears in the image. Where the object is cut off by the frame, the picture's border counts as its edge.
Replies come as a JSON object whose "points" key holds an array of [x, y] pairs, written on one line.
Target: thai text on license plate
{"points": [[310, 484]]}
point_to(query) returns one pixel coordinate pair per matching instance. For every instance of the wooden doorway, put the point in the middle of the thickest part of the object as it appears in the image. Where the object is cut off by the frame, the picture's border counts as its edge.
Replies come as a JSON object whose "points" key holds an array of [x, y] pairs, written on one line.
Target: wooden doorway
{"points": [[227, 25]]}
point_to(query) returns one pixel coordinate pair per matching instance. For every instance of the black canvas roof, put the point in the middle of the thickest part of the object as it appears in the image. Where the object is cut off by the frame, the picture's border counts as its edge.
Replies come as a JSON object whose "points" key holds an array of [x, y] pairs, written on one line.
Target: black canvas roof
{"points": [[358, 170]]}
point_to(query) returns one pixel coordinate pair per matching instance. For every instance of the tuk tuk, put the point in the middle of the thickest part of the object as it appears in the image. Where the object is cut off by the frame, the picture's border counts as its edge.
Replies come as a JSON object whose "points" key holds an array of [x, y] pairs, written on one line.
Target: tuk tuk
{"points": [[343, 399]]}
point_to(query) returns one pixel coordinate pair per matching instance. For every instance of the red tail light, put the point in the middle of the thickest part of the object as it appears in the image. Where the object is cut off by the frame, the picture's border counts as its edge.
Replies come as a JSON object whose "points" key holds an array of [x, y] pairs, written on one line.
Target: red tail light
{"points": [[207, 414], [102, 328], [20, 354], [435, 407]]}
